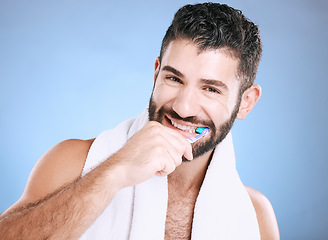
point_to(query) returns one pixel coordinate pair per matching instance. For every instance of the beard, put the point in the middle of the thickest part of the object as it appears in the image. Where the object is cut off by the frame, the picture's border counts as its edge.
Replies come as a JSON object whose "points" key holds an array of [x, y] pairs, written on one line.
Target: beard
{"points": [[200, 147]]}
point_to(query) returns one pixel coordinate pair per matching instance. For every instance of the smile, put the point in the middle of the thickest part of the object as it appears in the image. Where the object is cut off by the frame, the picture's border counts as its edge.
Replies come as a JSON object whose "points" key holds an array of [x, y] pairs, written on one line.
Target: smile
{"points": [[185, 128]]}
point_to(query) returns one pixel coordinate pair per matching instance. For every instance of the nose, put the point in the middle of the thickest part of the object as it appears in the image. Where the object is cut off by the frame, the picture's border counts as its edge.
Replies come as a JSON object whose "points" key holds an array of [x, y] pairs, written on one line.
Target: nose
{"points": [[186, 103]]}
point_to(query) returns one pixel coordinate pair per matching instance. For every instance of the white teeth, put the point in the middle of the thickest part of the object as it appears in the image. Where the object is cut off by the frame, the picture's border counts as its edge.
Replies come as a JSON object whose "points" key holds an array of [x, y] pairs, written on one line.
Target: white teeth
{"points": [[189, 129]]}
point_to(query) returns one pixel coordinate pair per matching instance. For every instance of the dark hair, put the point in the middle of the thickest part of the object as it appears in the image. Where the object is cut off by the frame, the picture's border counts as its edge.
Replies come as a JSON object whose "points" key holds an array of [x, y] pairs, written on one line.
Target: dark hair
{"points": [[213, 26]]}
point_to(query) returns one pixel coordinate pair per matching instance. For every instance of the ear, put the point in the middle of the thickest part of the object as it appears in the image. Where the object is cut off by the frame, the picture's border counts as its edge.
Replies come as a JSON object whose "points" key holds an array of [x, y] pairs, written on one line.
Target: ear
{"points": [[248, 101], [157, 66]]}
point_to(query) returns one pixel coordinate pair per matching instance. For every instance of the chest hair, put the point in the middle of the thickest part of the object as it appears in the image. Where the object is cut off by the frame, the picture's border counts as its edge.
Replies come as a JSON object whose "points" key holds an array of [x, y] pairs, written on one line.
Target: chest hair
{"points": [[180, 211]]}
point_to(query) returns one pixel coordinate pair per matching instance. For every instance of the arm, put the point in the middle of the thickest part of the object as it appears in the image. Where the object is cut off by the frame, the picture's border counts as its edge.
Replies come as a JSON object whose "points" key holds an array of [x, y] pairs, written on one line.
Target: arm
{"points": [[43, 214], [265, 215], [76, 202]]}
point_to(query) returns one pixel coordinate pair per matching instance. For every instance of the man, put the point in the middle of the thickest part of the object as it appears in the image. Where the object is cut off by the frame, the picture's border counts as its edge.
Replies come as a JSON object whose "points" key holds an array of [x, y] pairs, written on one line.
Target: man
{"points": [[95, 189]]}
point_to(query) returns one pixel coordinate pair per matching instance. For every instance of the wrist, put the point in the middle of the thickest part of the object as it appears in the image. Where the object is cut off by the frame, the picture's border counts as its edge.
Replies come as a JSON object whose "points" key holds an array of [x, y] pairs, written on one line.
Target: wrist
{"points": [[115, 174]]}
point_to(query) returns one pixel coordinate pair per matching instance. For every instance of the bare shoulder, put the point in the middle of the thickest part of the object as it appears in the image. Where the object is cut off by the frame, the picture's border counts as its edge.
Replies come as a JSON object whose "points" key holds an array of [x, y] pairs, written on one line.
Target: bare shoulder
{"points": [[265, 215], [59, 166]]}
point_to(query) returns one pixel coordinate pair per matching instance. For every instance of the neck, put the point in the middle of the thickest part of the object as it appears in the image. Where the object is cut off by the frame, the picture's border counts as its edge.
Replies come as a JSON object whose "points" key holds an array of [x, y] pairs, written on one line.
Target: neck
{"points": [[189, 176]]}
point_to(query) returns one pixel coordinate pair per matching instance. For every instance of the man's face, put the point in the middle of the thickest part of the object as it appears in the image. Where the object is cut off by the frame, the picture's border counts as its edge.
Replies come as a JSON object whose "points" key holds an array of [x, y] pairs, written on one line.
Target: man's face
{"points": [[195, 89]]}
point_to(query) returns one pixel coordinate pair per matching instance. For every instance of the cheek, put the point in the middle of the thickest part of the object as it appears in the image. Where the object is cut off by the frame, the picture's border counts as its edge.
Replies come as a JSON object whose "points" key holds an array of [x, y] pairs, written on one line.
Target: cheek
{"points": [[163, 94], [218, 113], [218, 110], [225, 106]]}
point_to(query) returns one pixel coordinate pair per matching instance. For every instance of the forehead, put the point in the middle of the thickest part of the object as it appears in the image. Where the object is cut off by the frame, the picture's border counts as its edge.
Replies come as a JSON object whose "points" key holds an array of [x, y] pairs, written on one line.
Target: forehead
{"points": [[186, 57]]}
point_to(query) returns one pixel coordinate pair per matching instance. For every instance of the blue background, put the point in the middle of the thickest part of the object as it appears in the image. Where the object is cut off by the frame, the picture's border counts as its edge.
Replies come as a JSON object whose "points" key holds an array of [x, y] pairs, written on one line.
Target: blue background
{"points": [[71, 69]]}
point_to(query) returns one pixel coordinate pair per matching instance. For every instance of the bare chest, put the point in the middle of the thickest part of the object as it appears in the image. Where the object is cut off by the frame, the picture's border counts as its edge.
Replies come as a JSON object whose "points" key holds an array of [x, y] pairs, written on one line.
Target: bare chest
{"points": [[179, 217]]}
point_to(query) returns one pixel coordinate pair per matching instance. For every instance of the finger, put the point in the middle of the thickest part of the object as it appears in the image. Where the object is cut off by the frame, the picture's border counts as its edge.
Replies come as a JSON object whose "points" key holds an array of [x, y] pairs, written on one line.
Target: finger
{"points": [[177, 148], [188, 150], [172, 137], [176, 156], [169, 167], [178, 140]]}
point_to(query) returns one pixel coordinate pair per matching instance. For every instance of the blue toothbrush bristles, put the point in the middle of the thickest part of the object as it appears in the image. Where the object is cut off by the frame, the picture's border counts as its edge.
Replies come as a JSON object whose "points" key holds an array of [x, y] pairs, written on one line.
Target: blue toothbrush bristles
{"points": [[202, 130]]}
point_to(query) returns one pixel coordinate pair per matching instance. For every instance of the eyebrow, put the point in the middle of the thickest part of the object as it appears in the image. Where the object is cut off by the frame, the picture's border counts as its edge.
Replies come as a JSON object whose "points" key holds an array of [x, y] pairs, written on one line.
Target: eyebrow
{"points": [[216, 83], [173, 70]]}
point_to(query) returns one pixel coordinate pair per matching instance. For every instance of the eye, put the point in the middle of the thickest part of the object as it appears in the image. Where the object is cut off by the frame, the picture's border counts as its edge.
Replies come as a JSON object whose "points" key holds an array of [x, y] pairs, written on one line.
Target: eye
{"points": [[174, 79], [212, 90]]}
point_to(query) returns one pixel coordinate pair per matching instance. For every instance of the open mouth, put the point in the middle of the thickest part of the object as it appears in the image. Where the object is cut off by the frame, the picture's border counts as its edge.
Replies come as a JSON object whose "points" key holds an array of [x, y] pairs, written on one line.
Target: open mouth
{"points": [[185, 128]]}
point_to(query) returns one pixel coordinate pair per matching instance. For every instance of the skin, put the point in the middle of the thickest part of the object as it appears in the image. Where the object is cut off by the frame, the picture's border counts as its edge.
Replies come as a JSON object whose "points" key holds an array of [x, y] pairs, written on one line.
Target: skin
{"points": [[180, 86], [53, 203]]}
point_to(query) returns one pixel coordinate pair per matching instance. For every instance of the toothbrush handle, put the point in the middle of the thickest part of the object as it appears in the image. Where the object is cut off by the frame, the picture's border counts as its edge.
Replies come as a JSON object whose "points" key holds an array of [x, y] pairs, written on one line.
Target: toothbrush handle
{"points": [[194, 139]]}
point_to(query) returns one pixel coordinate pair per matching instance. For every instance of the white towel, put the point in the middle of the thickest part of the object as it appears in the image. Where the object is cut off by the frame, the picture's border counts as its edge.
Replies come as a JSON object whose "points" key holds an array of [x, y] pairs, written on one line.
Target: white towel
{"points": [[223, 208]]}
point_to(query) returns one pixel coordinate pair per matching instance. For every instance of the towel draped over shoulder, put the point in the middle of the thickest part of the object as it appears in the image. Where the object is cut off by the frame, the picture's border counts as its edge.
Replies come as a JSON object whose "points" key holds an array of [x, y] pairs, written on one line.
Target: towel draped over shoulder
{"points": [[223, 208]]}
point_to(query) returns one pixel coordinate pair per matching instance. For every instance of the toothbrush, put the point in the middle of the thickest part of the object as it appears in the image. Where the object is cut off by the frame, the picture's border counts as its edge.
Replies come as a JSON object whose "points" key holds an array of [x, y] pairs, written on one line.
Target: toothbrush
{"points": [[202, 132]]}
